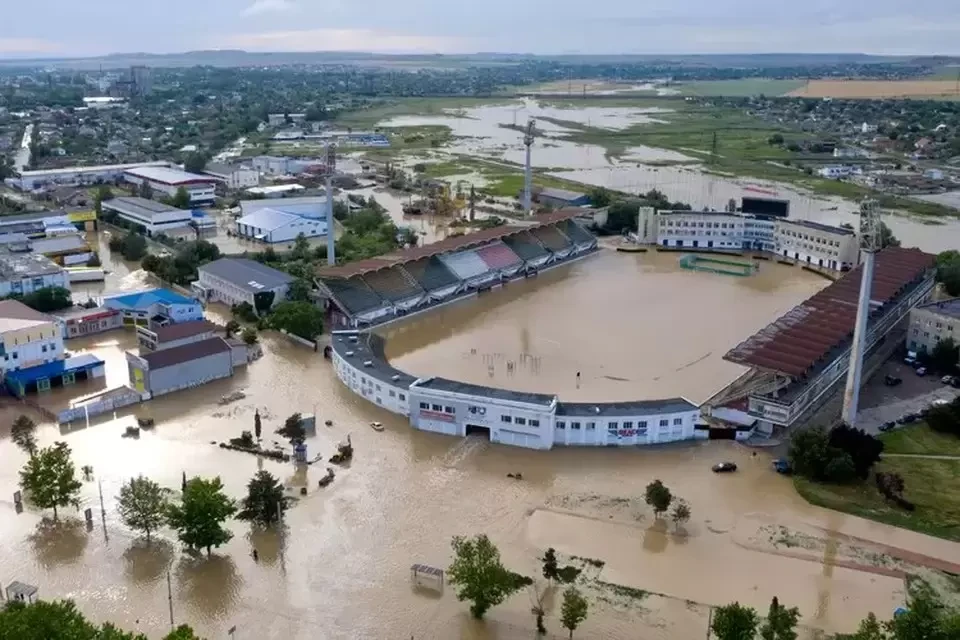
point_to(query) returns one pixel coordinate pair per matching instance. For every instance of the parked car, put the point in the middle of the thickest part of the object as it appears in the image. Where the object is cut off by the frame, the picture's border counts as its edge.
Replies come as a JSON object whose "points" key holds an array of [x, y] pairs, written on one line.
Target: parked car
{"points": [[887, 426], [892, 381], [947, 380], [724, 467], [921, 371], [782, 465]]}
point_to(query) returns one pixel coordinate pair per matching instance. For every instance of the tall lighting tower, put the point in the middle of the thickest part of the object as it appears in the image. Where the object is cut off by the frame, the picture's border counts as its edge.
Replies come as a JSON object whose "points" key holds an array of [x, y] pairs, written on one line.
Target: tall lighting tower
{"points": [[527, 170], [870, 241], [329, 170]]}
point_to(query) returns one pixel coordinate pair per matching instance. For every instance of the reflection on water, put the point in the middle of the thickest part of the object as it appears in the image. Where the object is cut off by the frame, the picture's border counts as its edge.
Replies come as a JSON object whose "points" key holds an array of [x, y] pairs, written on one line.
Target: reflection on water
{"points": [[58, 542], [146, 563], [209, 585]]}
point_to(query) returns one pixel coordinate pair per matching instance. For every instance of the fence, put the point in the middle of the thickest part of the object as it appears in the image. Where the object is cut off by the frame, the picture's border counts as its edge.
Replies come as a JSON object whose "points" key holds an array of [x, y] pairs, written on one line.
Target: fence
{"points": [[117, 398]]}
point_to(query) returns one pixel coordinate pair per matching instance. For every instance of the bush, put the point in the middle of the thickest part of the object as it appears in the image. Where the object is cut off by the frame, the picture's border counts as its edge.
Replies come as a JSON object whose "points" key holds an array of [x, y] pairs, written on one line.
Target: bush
{"points": [[840, 469], [244, 311]]}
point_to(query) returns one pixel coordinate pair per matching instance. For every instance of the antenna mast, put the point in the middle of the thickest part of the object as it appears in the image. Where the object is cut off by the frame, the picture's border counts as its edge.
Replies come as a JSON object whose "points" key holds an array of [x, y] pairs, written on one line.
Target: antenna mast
{"points": [[870, 244], [527, 170], [329, 170]]}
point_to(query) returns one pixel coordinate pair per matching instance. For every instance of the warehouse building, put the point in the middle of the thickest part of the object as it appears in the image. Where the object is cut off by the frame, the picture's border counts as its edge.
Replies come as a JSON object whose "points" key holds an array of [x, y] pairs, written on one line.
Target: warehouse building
{"points": [[272, 226], [165, 180], [236, 280], [190, 365], [154, 217], [233, 177], [73, 176]]}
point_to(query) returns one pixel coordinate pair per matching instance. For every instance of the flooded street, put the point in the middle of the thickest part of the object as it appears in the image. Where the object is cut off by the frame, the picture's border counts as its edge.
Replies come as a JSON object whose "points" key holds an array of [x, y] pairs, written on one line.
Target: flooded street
{"points": [[637, 326], [341, 569]]}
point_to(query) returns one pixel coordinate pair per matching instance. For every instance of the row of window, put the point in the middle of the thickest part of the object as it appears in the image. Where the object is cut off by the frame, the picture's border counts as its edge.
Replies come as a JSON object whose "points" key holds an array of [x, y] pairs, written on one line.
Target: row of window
{"points": [[813, 239], [532, 422], [426, 406], [698, 225], [614, 425]]}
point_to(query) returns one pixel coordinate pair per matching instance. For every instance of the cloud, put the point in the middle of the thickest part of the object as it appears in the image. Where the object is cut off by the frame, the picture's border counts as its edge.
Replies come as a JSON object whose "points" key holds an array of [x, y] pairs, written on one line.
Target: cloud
{"points": [[260, 7], [372, 40], [27, 45]]}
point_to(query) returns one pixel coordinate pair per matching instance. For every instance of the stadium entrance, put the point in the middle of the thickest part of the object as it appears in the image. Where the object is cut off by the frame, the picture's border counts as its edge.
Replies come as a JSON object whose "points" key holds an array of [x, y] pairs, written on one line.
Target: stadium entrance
{"points": [[477, 430]]}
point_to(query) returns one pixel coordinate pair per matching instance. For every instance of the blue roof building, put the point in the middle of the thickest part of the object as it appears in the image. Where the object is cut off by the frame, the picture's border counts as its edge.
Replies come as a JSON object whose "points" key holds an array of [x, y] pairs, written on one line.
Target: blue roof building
{"points": [[155, 307], [56, 373]]}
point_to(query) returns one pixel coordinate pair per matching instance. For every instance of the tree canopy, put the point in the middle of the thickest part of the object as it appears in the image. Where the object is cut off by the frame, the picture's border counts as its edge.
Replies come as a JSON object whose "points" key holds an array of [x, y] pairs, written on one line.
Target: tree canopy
{"points": [[23, 434], [658, 496], [199, 517], [734, 622], [143, 505], [299, 318], [61, 620], [265, 502], [49, 478], [480, 576], [573, 610]]}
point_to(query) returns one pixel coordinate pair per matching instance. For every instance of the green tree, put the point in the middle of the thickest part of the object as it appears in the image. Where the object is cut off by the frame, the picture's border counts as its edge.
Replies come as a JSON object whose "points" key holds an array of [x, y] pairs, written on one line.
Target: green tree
{"points": [[781, 622], [292, 429], [181, 199], [145, 190], [945, 356], [925, 619], [299, 318], [479, 575], [23, 434], [550, 568], [948, 272], [573, 610], [263, 301], [199, 518], [257, 425], [143, 505], [61, 620], [734, 622], [600, 197], [265, 502], [195, 162], [50, 479], [887, 239], [299, 291], [134, 247], [232, 327], [681, 513], [809, 452], [249, 336], [869, 629], [659, 497], [183, 632], [47, 299], [301, 248]]}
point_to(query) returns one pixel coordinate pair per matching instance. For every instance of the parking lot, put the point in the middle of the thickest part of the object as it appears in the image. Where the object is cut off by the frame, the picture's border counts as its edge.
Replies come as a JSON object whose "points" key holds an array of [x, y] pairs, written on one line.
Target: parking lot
{"points": [[881, 403]]}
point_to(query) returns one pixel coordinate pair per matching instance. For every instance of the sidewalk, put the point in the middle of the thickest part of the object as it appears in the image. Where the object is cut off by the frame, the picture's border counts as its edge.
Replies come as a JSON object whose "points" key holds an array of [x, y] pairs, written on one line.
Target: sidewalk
{"points": [[870, 419]]}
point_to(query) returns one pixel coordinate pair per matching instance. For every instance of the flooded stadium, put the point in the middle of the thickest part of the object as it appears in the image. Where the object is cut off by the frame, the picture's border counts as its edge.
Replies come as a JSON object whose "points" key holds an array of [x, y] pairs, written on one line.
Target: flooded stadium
{"points": [[341, 569], [635, 326]]}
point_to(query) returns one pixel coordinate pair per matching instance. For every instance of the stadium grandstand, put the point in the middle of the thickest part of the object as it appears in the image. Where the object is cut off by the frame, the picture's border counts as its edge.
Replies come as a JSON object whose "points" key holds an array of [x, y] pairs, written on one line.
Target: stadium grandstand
{"points": [[377, 290], [802, 356]]}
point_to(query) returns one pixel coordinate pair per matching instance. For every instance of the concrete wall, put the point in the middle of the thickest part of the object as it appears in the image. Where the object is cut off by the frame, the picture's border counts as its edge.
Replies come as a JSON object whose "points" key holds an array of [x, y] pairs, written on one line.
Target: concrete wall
{"points": [[189, 374], [33, 283]]}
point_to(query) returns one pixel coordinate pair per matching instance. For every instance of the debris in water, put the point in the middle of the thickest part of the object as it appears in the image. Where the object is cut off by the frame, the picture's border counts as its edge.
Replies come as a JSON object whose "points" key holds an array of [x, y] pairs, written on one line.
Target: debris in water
{"points": [[232, 397]]}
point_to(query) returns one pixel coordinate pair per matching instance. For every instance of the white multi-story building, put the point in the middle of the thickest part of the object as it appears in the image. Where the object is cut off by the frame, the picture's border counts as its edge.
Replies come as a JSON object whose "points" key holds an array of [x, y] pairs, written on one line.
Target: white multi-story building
{"points": [[154, 217], [817, 244], [234, 177], [22, 274], [28, 338], [932, 322], [700, 229], [70, 176], [168, 181]]}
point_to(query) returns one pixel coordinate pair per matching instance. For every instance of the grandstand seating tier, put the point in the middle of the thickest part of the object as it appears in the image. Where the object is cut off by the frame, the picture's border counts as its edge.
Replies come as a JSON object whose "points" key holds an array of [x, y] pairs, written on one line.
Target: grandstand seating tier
{"points": [[393, 284], [431, 273], [551, 238], [498, 256], [576, 233], [525, 246], [465, 264], [354, 294]]}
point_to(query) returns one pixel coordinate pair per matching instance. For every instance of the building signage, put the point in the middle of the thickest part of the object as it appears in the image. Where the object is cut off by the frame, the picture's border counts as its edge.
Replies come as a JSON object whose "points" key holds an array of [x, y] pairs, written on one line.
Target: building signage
{"points": [[82, 216], [437, 415], [626, 433]]}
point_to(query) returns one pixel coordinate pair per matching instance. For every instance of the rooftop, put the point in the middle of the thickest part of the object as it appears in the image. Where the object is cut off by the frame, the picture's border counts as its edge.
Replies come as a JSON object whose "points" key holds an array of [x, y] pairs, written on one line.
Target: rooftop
{"points": [[83, 362], [15, 266], [817, 226], [183, 330], [465, 388], [92, 169], [150, 297], [185, 353], [140, 207], [268, 219], [167, 175], [247, 274], [368, 347], [36, 216], [276, 188], [446, 245], [560, 194], [636, 408], [797, 341], [60, 244], [14, 315], [949, 308]]}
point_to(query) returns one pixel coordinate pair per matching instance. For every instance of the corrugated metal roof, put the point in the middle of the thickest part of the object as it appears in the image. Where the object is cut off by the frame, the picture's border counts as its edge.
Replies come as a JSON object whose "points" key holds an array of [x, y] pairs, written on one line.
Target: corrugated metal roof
{"points": [[247, 274], [185, 353], [182, 330], [268, 219]]}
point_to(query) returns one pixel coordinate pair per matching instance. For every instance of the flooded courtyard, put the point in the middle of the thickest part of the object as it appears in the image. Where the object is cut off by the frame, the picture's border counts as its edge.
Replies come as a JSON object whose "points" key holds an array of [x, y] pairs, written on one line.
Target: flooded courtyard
{"points": [[340, 569], [636, 326]]}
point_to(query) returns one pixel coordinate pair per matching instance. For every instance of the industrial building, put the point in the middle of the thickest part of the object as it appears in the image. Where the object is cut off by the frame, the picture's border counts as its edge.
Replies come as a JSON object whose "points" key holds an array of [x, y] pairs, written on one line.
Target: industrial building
{"points": [[154, 307], [33, 358], [800, 357], [236, 280], [233, 177], [560, 197], [932, 323], [166, 180], [272, 226], [276, 190], [75, 176], [154, 217], [307, 206], [531, 420], [170, 336], [22, 274], [81, 321], [190, 365]]}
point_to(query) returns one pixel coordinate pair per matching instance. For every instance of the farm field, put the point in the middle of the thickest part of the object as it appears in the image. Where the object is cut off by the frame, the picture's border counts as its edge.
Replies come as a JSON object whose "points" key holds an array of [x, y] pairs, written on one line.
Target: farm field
{"points": [[929, 89], [740, 88]]}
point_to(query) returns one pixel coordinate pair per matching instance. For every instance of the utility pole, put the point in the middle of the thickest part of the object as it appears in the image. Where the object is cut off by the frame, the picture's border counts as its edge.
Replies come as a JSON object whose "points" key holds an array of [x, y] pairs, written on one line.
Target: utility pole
{"points": [[330, 170], [870, 239], [170, 600], [103, 510], [528, 171]]}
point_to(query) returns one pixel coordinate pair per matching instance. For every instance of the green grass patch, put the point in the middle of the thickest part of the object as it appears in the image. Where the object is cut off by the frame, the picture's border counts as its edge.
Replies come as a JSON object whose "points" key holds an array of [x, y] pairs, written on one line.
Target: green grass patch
{"points": [[368, 118], [745, 87], [920, 439], [626, 592], [932, 485]]}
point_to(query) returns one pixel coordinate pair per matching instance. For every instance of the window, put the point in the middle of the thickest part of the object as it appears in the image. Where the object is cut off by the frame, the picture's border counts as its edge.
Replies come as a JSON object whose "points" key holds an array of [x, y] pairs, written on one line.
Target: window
{"points": [[533, 423], [436, 407], [378, 400], [664, 423], [561, 424], [574, 425], [402, 397], [448, 410], [43, 348], [424, 405], [642, 424], [393, 393], [506, 419], [613, 425], [677, 421], [591, 426], [628, 424], [378, 387], [520, 421]]}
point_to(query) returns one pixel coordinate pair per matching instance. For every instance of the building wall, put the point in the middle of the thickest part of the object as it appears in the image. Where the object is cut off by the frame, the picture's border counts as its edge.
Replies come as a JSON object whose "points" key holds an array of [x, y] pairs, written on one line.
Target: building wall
{"points": [[393, 398], [700, 230], [95, 324], [243, 178], [626, 430], [29, 285], [198, 192], [228, 293], [189, 374], [147, 340], [818, 247], [25, 348], [927, 328], [309, 227]]}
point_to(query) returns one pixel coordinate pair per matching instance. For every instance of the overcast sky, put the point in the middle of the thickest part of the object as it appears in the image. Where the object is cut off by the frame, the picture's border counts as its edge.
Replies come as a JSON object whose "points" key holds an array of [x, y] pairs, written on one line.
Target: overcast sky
{"points": [[94, 27]]}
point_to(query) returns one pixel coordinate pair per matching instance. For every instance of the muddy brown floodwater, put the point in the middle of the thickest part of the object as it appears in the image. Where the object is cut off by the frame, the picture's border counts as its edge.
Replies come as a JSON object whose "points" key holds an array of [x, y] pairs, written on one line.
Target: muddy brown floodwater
{"points": [[341, 568]]}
